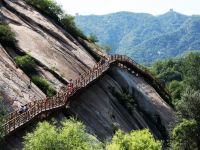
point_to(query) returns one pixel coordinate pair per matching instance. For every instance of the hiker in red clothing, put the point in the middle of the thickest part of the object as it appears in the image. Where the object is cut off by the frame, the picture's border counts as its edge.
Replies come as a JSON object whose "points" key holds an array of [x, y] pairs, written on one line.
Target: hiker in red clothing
{"points": [[70, 85]]}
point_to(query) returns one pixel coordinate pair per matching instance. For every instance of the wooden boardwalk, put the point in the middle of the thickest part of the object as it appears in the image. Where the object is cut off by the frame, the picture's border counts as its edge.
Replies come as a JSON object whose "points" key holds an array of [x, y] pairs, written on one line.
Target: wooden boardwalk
{"points": [[16, 120]]}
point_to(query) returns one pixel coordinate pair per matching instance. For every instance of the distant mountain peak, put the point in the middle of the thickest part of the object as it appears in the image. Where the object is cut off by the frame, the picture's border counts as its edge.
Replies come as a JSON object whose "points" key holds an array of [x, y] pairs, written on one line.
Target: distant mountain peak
{"points": [[139, 34]]}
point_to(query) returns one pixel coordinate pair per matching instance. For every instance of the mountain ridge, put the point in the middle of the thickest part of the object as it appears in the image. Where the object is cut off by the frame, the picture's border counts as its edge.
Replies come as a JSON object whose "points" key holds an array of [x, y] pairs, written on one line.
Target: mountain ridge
{"points": [[137, 34]]}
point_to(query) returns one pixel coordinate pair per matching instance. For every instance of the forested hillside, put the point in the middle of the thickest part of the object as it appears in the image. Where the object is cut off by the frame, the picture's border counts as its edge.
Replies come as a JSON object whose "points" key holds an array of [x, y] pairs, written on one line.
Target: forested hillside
{"points": [[181, 77], [144, 37]]}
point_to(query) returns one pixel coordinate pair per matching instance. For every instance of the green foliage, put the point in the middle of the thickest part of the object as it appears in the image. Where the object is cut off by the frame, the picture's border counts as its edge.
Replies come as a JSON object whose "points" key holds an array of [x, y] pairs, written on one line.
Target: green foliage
{"points": [[93, 38], [185, 135], [191, 70], [127, 100], [7, 37], [53, 10], [144, 37], [176, 88], [136, 140], [178, 74], [49, 7], [44, 85], [3, 112], [26, 63], [67, 22], [44, 137], [71, 136], [189, 104]]}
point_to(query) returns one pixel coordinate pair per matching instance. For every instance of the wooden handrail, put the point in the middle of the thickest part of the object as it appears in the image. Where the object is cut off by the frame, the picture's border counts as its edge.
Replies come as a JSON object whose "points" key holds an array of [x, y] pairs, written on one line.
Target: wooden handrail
{"points": [[15, 120]]}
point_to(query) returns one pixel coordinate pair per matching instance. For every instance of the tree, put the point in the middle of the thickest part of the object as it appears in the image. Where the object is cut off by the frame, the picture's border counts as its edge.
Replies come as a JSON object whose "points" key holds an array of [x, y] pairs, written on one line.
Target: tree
{"points": [[185, 135], [71, 135], [191, 69], [50, 7], [189, 104], [136, 140], [176, 88]]}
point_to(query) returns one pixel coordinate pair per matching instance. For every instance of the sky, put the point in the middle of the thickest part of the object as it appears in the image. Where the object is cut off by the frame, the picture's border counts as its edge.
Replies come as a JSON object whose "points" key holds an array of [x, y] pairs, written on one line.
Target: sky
{"points": [[155, 7]]}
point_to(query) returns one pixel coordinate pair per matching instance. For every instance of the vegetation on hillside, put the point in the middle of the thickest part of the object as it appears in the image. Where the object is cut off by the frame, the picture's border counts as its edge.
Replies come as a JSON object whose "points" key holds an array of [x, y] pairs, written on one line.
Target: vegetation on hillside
{"points": [[28, 65], [135, 140], [185, 135], [7, 37], [44, 85], [53, 10], [72, 135], [144, 37], [182, 76], [3, 112], [179, 74]]}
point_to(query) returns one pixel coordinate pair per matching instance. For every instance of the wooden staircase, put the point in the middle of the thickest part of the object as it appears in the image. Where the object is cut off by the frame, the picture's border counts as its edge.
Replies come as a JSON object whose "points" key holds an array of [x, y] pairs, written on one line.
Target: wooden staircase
{"points": [[15, 120]]}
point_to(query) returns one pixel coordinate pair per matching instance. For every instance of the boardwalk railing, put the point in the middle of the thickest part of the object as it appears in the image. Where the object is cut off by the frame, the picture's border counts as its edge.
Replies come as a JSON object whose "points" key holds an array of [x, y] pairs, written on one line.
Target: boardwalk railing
{"points": [[15, 120]]}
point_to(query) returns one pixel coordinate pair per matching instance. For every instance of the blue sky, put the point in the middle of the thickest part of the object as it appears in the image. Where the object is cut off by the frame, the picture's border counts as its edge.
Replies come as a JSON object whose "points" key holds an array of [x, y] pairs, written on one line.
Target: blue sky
{"points": [[155, 7]]}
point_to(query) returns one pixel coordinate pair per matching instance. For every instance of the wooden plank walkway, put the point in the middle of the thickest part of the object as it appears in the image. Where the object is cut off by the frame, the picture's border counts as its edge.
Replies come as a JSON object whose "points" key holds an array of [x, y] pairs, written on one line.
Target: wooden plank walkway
{"points": [[16, 120]]}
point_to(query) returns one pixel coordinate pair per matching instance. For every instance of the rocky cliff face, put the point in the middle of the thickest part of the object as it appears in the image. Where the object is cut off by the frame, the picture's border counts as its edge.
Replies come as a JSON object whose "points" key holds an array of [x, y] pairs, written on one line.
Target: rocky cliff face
{"points": [[61, 57]]}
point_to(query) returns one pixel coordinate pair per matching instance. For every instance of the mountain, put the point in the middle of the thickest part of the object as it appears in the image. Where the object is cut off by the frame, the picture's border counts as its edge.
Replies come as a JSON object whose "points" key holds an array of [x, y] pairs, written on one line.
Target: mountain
{"points": [[144, 37]]}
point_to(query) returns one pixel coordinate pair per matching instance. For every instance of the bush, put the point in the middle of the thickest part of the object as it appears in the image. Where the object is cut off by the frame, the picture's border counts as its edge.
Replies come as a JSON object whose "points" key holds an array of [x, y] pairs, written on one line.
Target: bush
{"points": [[49, 7], [3, 112], [176, 89], [7, 37], [26, 63], [189, 104], [127, 100], [185, 135], [136, 140], [68, 23], [71, 136], [44, 85]]}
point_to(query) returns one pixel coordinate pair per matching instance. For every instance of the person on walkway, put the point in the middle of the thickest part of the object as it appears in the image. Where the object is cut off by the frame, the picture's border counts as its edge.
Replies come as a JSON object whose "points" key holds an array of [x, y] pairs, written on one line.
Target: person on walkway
{"points": [[21, 109], [29, 86], [25, 108], [70, 85]]}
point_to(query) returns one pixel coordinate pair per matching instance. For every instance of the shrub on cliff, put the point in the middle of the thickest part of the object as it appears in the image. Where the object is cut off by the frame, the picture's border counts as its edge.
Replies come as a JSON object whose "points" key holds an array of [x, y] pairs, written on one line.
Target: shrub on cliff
{"points": [[3, 112], [135, 140], [44, 85], [185, 135], [7, 37], [49, 7], [71, 135], [26, 63], [53, 10]]}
